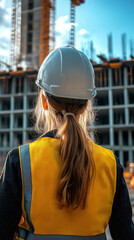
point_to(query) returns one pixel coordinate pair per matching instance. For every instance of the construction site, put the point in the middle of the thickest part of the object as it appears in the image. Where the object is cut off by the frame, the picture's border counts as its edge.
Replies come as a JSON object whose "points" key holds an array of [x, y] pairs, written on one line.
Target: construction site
{"points": [[32, 38]]}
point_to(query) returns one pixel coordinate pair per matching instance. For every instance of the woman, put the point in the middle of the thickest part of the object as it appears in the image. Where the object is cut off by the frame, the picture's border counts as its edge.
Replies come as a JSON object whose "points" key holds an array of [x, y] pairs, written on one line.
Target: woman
{"points": [[63, 184]]}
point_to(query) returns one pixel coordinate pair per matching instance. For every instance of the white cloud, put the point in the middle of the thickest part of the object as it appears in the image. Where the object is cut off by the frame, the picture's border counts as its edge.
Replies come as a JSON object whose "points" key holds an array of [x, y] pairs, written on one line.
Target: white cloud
{"points": [[5, 23], [8, 15], [62, 28], [9, 10], [62, 25], [5, 32], [5, 18], [4, 52], [83, 33], [2, 3]]}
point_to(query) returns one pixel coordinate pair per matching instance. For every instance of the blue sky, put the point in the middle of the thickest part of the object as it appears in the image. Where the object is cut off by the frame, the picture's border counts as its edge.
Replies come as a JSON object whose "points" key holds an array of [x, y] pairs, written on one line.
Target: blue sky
{"points": [[95, 19], [98, 18]]}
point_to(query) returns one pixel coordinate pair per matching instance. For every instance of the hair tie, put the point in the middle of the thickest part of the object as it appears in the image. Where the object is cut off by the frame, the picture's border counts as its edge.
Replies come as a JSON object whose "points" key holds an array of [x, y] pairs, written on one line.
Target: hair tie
{"points": [[67, 113]]}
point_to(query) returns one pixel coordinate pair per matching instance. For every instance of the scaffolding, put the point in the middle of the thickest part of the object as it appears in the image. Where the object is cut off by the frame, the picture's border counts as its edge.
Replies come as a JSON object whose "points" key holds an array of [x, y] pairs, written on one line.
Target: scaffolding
{"points": [[15, 33], [52, 26], [72, 19], [47, 28], [72, 22]]}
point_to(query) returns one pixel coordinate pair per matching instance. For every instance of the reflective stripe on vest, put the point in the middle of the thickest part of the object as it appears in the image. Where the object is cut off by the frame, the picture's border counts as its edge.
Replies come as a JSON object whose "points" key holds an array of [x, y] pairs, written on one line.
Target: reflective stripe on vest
{"points": [[27, 183], [22, 233], [31, 236]]}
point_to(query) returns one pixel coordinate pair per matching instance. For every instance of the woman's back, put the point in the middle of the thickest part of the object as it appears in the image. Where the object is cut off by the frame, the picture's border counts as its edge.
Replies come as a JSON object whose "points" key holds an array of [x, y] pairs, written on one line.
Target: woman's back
{"points": [[43, 202]]}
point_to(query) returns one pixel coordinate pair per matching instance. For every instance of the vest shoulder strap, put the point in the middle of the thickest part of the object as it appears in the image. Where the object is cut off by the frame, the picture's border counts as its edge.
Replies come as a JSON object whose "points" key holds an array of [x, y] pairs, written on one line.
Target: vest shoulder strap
{"points": [[27, 181], [26, 168]]}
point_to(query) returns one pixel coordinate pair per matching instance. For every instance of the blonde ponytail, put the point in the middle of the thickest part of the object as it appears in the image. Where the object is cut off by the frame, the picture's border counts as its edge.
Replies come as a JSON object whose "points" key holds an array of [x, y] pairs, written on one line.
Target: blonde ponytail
{"points": [[76, 165]]}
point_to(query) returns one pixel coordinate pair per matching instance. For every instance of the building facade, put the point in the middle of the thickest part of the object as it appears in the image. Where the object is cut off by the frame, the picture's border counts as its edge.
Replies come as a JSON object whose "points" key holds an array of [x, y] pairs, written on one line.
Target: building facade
{"points": [[17, 95], [30, 33], [113, 107]]}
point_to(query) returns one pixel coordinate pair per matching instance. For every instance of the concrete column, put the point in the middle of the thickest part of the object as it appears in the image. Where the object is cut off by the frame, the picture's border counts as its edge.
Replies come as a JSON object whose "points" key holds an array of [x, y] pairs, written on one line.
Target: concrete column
{"points": [[130, 145], [120, 138], [24, 137], [0, 102], [126, 97], [11, 128], [126, 106], [24, 114], [11, 113], [0, 87], [110, 99], [0, 110], [120, 144], [111, 131], [110, 77], [0, 106], [125, 76], [121, 158]]}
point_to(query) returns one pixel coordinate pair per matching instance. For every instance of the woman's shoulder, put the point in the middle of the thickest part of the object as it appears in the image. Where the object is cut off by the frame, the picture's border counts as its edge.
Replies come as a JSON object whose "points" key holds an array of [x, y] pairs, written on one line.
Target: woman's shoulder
{"points": [[101, 151], [46, 140], [12, 158]]}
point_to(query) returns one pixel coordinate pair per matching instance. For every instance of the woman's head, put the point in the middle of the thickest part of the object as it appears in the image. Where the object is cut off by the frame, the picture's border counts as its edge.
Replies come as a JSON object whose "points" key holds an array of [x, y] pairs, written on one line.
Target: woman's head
{"points": [[66, 79]]}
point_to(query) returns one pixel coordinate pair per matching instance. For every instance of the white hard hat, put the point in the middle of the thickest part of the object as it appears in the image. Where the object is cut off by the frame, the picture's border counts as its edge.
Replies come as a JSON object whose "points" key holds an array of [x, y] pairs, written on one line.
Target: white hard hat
{"points": [[67, 73]]}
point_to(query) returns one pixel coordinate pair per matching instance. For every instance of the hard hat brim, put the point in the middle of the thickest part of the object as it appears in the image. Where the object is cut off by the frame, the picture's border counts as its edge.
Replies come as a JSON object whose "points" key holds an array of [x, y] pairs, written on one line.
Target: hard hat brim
{"points": [[90, 92]]}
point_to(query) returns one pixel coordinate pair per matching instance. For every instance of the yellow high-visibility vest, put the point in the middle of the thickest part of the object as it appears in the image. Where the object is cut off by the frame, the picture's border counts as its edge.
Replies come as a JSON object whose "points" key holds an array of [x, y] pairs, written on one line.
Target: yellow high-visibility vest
{"points": [[40, 163]]}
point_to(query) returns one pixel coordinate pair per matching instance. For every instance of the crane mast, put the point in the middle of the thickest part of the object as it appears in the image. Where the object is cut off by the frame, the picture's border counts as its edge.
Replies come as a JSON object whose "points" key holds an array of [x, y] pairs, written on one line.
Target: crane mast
{"points": [[72, 22], [72, 19]]}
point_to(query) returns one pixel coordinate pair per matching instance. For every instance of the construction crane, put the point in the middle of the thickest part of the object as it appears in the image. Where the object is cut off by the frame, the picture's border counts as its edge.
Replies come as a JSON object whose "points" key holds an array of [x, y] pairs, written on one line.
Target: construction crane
{"points": [[72, 19], [47, 28]]}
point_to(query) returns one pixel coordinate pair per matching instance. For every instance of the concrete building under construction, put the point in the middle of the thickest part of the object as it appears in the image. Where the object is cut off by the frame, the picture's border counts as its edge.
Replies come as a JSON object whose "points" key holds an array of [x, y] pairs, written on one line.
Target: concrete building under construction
{"points": [[113, 105], [33, 32]]}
